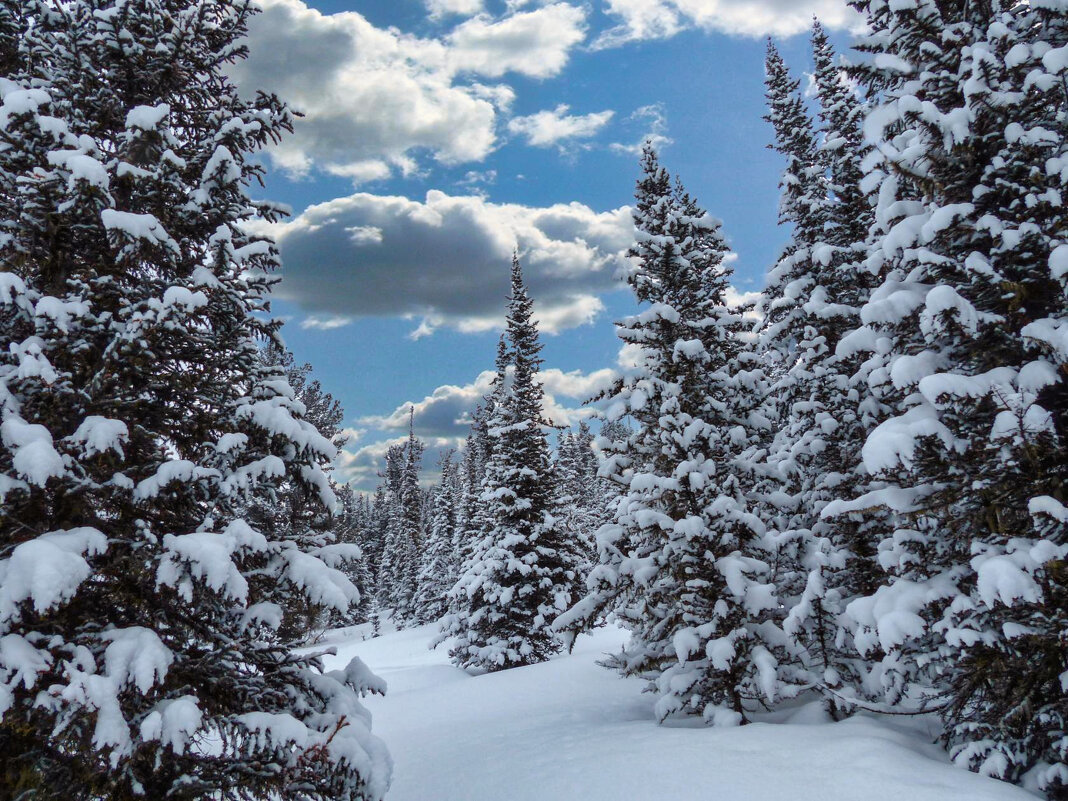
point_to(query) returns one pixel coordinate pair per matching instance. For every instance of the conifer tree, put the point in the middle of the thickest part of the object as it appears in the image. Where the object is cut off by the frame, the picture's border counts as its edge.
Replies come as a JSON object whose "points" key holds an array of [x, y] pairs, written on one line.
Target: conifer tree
{"points": [[371, 533], [351, 528], [379, 551], [287, 510], [440, 566], [968, 246], [475, 523], [580, 494], [842, 150], [138, 608], [469, 518], [471, 522], [803, 185], [409, 538], [822, 415], [388, 516], [11, 27], [402, 517], [682, 564], [523, 571]]}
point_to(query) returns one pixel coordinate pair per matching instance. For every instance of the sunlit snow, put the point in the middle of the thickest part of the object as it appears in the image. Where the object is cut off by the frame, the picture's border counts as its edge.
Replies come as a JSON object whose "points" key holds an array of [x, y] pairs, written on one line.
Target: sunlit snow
{"points": [[570, 729]]}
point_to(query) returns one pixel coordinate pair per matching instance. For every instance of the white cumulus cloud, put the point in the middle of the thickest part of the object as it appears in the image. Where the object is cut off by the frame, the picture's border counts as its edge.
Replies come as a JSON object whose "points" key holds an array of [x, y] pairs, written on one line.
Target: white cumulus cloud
{"points": [[373, 97], [653, 124], [534, 43], [547, 128], [445, 259], [661, 19], [441, 8]]}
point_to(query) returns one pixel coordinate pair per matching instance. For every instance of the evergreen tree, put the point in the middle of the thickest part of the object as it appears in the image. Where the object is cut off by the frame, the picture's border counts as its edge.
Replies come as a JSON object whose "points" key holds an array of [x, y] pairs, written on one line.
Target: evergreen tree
{"points": [[351, 528], [581, 492], [682, 564], [842, 150], [379, 538], [11, 28], [822, 415], [409, 540], [968, 246], [611, 438], [371, 533], [803, 185], [287, 509], [469, 518], [439, 564], [523, 571], [392, 582], [138, 608]]}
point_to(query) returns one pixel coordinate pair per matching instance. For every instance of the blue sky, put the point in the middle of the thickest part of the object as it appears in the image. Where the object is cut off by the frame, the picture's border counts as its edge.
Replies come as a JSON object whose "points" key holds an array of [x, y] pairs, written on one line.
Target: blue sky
{"points": [[438, 135]]}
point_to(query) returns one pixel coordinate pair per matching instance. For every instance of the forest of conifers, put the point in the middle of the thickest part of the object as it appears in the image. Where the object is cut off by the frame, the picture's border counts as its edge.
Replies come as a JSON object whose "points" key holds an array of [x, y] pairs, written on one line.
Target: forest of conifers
{"points": [[851, 489]]}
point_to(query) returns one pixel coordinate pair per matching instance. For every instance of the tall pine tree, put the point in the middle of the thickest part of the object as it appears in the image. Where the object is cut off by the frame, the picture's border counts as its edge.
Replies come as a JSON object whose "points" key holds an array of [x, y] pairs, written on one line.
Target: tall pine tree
{"points": [[440, 565], [580, 491], [524, 570], [410, 534], [138, 608], [683, 564], [969, 317], [822, 416]]}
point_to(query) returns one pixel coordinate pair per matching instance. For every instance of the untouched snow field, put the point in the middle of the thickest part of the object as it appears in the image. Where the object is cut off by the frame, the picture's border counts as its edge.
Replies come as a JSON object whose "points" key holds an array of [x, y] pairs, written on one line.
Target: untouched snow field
{"points": [[570, 730]]}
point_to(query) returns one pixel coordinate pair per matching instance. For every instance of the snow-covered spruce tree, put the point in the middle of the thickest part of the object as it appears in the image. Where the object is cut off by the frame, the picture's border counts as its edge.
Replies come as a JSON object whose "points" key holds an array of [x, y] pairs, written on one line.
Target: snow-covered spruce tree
{"points": [[440, 563], [683, 564], [842, 149], [426, 519], [803, 186], [581, 492], [803, 206], [378, 541], [11, 22], [469, 518], [351, 526], [409, 536], [474, 524], [971, 251], [391, 570], [524, 571], [137, 608], [287, 509], [611, 438], [813, 298], [371, 533], [785, 339]]}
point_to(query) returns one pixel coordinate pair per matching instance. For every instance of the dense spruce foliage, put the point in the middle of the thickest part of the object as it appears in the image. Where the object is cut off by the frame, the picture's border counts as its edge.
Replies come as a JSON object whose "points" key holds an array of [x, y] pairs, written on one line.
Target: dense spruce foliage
{"points": [[524, 568], [682, 559], [850, 491], [878, 513], [855, 489], [966, 328], [163, 489]]}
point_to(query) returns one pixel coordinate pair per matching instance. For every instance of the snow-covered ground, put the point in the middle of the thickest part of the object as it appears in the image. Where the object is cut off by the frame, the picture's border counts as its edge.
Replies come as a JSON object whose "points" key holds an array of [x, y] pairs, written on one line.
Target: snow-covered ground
{"points": [[569, 729]]}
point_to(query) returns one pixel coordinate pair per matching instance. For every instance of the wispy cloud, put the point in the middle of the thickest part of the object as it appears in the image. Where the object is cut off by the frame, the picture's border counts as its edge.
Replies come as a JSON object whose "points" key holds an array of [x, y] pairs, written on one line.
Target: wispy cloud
{"points": [[558, 127], [653, 124], [661, 19]]}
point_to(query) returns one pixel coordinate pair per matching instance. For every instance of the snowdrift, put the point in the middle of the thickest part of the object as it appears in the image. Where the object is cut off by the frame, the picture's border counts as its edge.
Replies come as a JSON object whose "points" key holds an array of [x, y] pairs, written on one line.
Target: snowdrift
{"points": [[570, 729]]}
